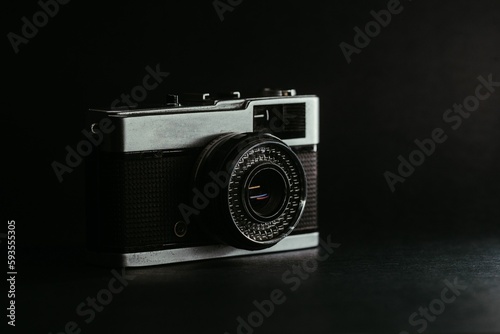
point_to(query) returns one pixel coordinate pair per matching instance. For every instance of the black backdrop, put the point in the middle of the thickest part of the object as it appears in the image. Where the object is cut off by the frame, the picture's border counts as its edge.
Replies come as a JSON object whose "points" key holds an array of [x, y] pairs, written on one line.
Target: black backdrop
{"points": [[393, 92]]}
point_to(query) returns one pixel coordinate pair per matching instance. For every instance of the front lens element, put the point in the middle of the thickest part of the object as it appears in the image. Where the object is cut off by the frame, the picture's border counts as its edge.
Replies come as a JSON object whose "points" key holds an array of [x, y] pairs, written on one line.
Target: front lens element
{"points": [[266, 193]]}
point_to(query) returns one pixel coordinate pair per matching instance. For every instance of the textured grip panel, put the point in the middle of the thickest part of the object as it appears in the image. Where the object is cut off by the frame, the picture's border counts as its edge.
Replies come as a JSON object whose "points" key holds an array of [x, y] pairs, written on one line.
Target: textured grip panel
{"points": [[309, 220], [138, 196]]}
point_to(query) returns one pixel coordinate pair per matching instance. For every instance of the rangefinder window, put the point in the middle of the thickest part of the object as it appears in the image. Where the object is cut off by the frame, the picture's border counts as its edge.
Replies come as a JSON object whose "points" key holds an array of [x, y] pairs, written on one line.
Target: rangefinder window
{"points": [[282, 120]]}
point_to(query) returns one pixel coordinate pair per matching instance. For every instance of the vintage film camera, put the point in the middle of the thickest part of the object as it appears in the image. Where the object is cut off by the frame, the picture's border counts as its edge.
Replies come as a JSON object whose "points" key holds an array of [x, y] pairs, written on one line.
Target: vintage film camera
{"points": [[204, 176]]}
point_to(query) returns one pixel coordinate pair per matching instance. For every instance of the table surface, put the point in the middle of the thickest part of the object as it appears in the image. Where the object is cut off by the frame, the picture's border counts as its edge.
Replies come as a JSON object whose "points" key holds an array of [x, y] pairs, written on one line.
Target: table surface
{"points": [[363, 286]]}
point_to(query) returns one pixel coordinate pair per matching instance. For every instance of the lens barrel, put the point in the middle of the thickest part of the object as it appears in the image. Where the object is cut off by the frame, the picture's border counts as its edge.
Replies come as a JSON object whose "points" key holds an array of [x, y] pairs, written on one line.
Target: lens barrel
{"points": [[257, 189]]}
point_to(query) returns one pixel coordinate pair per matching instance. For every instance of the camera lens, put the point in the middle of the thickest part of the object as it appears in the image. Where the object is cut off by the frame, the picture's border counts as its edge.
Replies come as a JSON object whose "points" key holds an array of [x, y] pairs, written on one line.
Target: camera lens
{"points": [[256, 189], [266, 193]]}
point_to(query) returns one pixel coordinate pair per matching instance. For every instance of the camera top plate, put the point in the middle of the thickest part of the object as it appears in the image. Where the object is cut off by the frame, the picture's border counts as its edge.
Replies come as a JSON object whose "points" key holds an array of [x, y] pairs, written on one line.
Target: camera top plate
{"points": [[191, 120]]}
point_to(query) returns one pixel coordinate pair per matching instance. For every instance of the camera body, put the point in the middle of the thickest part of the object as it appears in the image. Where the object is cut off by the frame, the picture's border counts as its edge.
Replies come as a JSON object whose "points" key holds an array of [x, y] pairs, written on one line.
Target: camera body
{"points": [[204, 176]]}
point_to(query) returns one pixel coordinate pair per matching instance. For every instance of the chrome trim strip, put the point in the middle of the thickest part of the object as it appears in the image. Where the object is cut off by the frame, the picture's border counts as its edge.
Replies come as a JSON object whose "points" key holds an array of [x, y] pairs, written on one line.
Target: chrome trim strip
{"points": [[293, 242]]}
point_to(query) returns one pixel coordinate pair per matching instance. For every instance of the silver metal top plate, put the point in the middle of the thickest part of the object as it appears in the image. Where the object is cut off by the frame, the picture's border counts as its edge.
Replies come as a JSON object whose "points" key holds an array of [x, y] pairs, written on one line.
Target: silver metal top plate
{"points": [[187, 127]]}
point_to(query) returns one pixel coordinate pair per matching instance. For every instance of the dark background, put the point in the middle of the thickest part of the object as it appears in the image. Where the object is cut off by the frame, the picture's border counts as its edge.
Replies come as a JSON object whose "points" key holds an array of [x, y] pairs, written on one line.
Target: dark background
{"points": [[395, 91]]}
